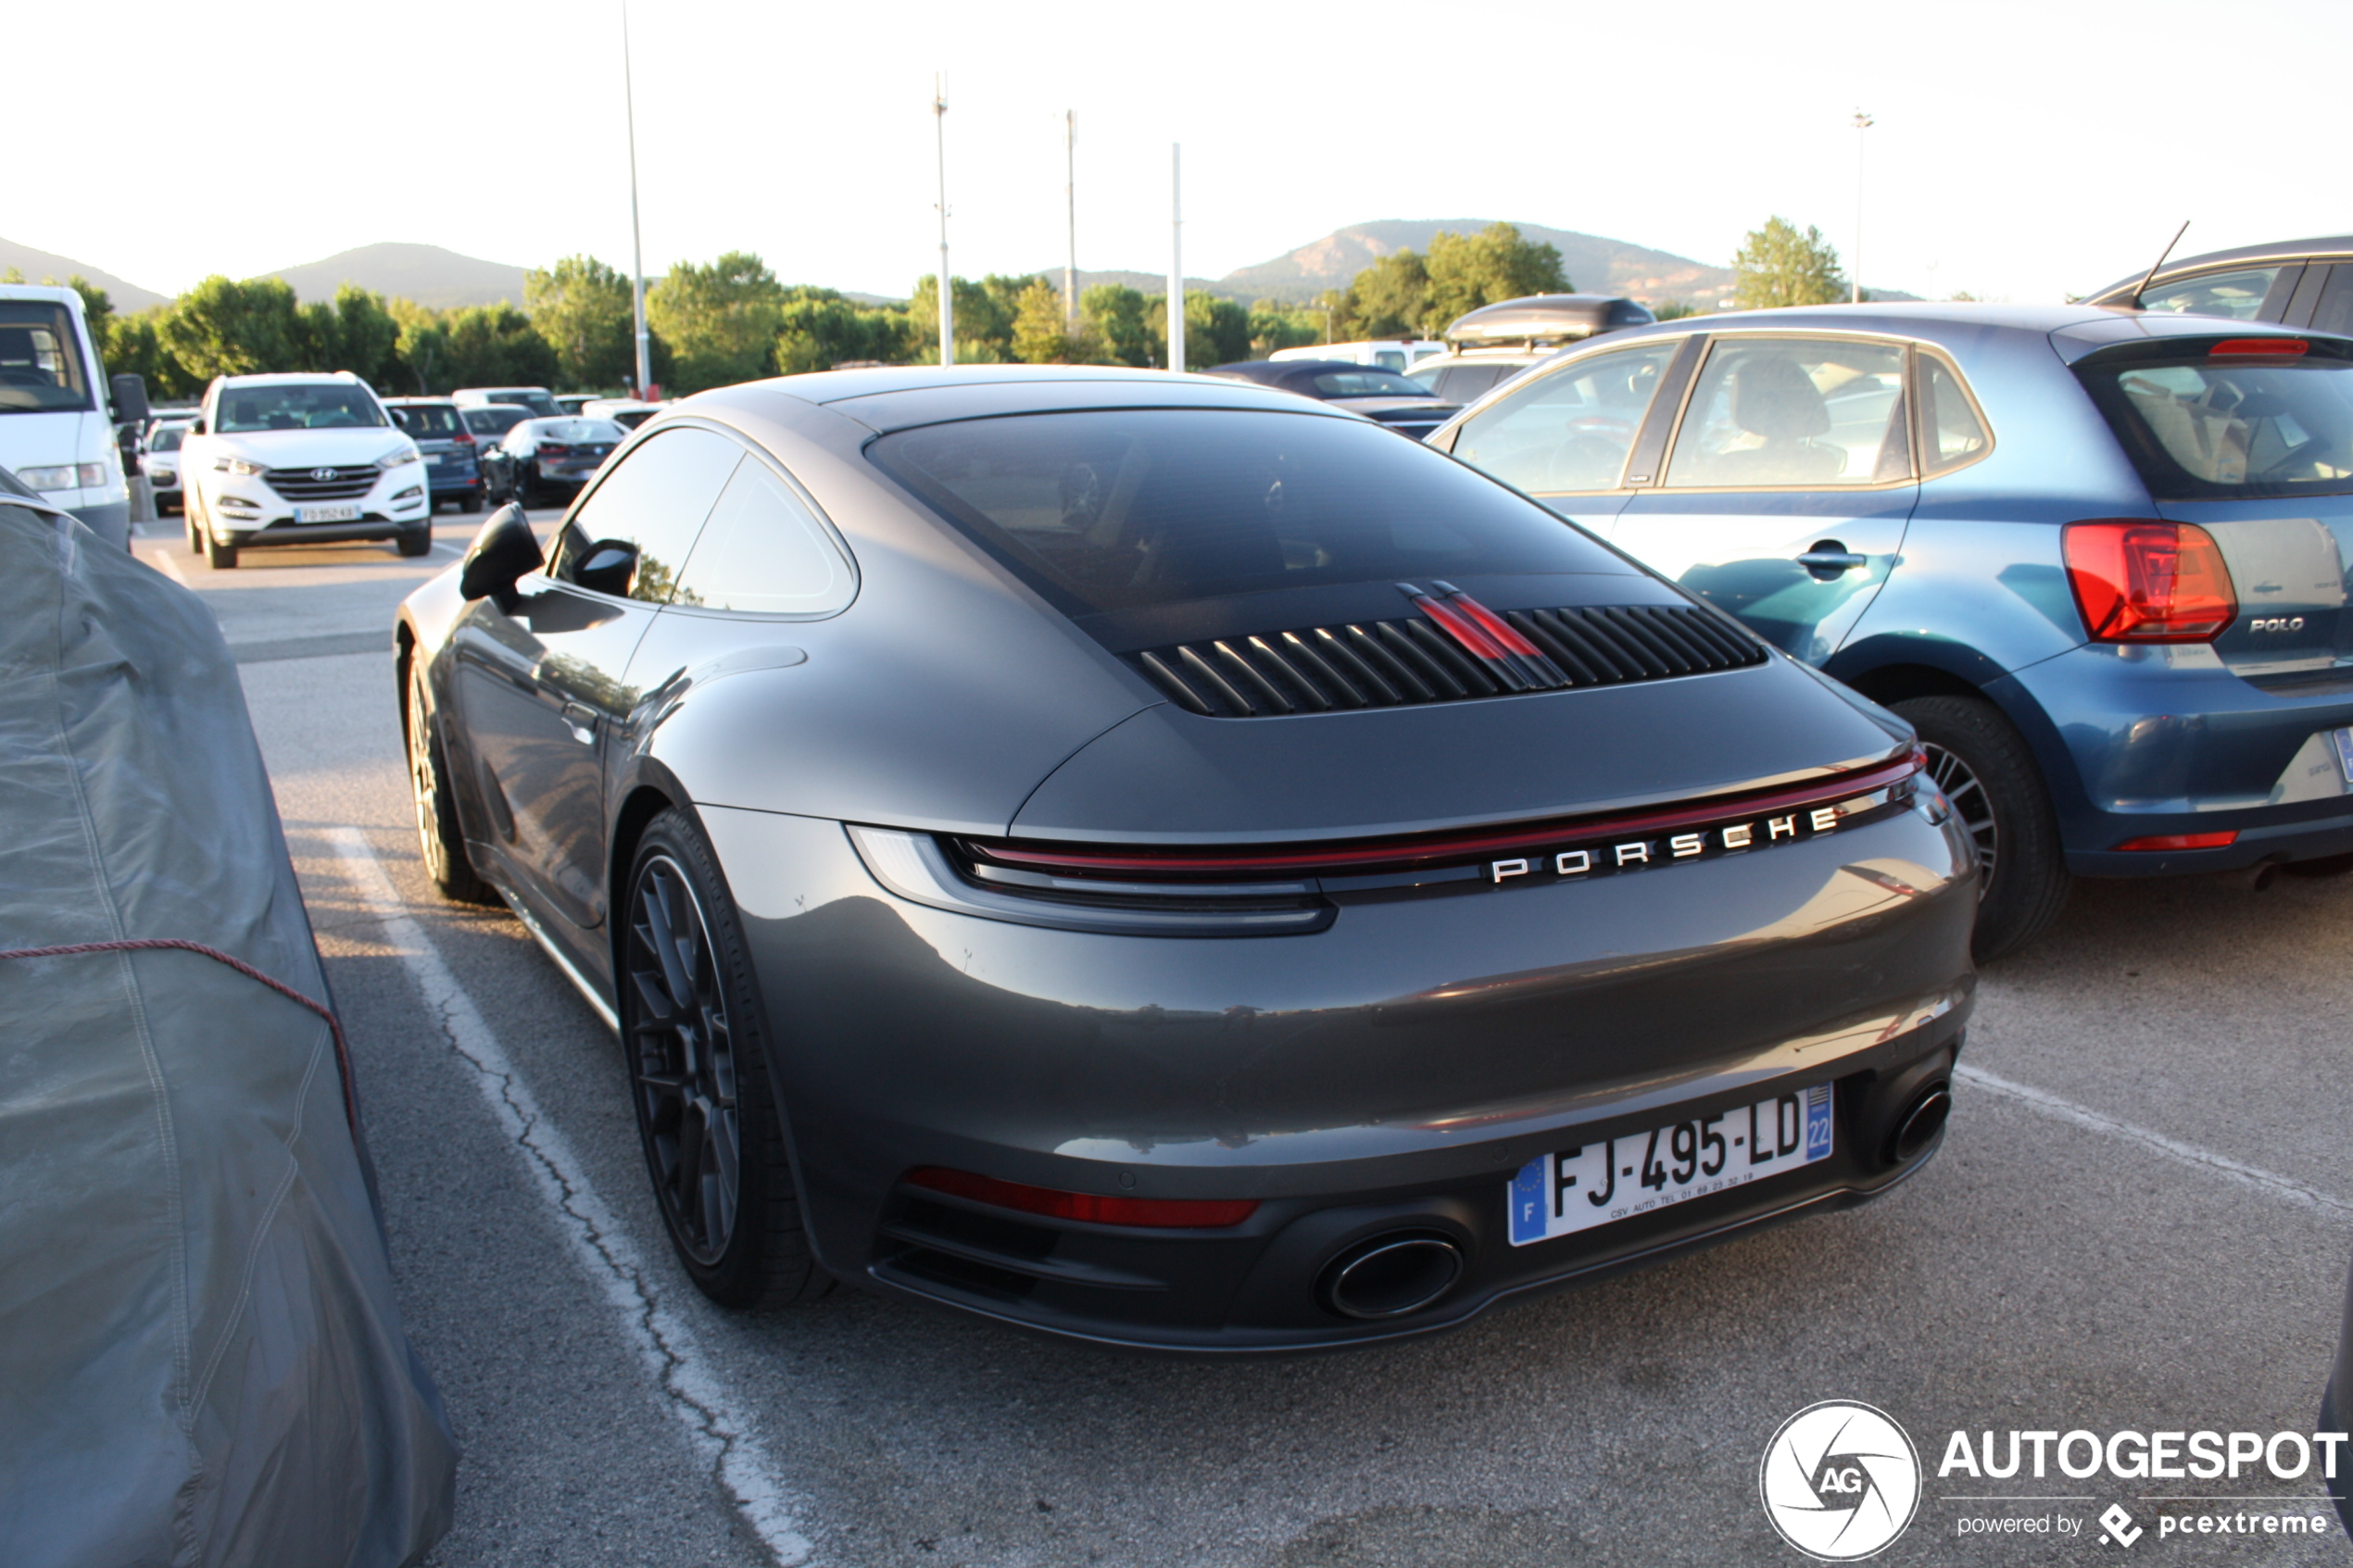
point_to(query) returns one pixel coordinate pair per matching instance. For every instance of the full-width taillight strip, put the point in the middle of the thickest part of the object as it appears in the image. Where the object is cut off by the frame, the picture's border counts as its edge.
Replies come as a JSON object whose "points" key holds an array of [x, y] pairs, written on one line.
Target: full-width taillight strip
{"points": [[1429, 849], [1152, 1213]]}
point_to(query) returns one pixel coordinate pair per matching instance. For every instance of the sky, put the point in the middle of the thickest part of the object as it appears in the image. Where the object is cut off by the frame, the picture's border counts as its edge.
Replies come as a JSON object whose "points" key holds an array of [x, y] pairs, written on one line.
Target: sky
{"points": [[2022, 152]]}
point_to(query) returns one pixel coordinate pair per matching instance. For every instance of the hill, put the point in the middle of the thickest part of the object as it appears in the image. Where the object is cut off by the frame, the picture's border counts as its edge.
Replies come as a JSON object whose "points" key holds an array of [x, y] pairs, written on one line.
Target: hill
{"points": [[1595, 265], [39, 264], [433, 277]]}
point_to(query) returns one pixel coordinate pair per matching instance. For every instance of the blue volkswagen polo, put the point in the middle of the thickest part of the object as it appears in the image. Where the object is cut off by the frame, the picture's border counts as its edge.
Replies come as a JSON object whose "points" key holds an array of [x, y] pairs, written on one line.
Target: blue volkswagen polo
{"points": [[2097, 557]]}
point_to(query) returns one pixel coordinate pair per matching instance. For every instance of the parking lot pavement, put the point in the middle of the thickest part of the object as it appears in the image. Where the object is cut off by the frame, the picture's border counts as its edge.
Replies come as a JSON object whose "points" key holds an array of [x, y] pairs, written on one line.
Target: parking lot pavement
{"points": [[2141, 1220]]}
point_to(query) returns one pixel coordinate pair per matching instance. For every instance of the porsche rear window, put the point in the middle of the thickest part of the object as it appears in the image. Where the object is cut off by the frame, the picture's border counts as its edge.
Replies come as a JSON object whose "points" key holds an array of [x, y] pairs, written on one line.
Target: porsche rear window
{"points": [[1136, 509], [2225, 426]]}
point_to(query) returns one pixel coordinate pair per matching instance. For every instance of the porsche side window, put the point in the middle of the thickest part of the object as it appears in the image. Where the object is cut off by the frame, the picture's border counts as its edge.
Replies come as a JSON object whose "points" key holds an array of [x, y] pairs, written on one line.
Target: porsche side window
{"points": [[1952, 434], [1793, 411], [655, 501], [765, 551], [1569, 430]]}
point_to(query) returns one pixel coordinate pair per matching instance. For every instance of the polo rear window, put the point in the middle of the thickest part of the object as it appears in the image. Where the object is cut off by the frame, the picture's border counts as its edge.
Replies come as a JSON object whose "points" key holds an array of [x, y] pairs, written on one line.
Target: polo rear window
{"points": [[1135, 509], [2229, 420]]}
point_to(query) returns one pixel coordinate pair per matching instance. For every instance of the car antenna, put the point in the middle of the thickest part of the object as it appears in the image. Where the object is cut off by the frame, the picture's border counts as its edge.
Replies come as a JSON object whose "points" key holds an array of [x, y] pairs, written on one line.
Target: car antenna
{"points": [[2151, 276]]}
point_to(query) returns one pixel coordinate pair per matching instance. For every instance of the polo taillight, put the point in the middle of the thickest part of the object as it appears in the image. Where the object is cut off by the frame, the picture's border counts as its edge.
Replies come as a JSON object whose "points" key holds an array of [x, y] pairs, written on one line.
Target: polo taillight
{"points": [[2141, 581], [1152, 1213]]}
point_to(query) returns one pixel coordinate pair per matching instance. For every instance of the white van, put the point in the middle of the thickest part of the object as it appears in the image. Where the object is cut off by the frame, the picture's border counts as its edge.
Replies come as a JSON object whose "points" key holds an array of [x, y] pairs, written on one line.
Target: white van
{"points": [[1392, 354], [57, 412]]}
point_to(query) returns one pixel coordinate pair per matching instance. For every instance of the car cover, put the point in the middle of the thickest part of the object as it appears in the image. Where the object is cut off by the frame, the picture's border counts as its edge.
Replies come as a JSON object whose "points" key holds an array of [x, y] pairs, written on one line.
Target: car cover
{"points": [[201, 1360]]}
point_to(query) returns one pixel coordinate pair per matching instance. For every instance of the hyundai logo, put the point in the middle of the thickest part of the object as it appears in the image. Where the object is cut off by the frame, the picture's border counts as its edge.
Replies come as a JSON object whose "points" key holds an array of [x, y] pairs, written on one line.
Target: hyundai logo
{"points": [[323, 475]]}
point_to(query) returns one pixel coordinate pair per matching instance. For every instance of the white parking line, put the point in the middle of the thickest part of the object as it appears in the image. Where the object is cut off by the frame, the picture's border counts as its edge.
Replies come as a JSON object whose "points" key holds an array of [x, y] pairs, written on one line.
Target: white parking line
{"points": [[690, 1384], [2205, 1160]]}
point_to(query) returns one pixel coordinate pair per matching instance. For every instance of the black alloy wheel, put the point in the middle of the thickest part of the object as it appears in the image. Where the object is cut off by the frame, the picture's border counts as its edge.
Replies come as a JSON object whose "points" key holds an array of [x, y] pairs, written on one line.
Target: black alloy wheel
{"points": [[713, 1137], [441, 842], [1981, 764]]}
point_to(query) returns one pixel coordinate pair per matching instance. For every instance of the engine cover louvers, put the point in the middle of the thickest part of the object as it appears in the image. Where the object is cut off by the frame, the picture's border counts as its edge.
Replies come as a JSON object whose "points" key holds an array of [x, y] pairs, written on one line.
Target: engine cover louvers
{"points": [[1395, 663]]}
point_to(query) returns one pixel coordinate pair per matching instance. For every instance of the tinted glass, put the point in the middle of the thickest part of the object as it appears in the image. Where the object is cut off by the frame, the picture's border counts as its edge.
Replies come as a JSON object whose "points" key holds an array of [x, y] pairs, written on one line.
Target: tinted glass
{"points": [[1136, 509], [656, 500], [764, 550], [2237, 295], [1793, 411], [1368, 383], [430, 421], [495, 421], [584, 431], [1468, 383], [247, 409], [1569, 430], [40, 365], [2335, 313], [2210, 428], [1949, 423]]}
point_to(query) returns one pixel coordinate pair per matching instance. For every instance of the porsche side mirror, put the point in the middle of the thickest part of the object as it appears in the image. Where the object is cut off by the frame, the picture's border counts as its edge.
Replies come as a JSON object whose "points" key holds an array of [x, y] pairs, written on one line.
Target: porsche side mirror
{"points": [[609, 567], [501, 552]]}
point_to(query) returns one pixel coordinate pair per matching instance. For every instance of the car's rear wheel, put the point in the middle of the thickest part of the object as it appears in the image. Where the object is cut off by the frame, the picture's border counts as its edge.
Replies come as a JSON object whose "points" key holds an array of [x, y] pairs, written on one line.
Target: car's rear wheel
{"points": [[707, 1114], [441, 842], [1981, 762]]}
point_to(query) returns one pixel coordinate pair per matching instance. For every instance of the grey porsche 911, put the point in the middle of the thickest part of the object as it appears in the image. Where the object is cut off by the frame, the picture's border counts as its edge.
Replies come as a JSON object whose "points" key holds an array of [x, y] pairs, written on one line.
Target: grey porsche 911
{"points": [[1156, 860]]}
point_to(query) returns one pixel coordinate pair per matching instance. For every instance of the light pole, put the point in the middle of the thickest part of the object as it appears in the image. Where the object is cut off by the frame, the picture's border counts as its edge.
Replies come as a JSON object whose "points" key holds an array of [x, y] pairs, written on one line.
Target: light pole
{"points": [[947, 289], [1862, 122], [1070, 201], [1176, 256], [636, 246]]}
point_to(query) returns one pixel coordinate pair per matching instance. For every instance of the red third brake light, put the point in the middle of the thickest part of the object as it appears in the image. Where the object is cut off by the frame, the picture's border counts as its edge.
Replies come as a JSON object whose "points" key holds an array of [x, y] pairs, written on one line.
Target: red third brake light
{"points": [[2273, 347], [2137, 580], [1155, 1213]]}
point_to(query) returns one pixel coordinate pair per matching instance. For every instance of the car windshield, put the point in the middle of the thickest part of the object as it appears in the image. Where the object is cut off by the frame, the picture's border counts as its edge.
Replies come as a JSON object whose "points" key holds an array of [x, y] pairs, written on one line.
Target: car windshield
{"points": [[245, 410], [495, 421], [167, 439], [578, 430], [40, 369], [428, 422], [1367, 384], [1132, 509], [2228, 428]]}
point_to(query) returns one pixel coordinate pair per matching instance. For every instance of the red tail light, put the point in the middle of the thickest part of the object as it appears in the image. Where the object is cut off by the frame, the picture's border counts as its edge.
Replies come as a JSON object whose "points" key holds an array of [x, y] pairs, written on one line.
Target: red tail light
{"points": [[1154, 1214], [554, 449], [2140, 580], [464, 438], [2182, 841], [2274, 348]]}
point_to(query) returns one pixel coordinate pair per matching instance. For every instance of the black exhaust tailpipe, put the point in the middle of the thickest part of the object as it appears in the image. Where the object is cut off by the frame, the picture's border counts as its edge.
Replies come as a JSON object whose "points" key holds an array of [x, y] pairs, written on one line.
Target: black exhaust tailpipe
{"points": [[1918, 1125], [1390, 1275]]}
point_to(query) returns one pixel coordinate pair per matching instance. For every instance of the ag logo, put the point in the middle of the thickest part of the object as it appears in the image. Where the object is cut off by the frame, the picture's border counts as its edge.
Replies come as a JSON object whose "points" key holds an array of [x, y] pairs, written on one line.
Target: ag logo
{"points": [[1840, 1481]]}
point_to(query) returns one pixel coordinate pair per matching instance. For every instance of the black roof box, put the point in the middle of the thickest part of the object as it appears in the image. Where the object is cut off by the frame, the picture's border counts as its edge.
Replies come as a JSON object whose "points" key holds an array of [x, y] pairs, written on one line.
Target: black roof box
{"points": [[1544, 319]]}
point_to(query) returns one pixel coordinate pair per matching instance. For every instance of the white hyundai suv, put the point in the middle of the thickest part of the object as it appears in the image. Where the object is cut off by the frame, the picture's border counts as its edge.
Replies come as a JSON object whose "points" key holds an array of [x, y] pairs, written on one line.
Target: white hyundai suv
{"points": [[298, 459]]}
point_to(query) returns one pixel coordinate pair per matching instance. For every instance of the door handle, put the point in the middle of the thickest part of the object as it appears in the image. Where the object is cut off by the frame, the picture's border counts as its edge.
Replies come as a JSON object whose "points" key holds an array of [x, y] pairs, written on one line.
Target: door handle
{"points": [[581, 719], [1829, 558]]}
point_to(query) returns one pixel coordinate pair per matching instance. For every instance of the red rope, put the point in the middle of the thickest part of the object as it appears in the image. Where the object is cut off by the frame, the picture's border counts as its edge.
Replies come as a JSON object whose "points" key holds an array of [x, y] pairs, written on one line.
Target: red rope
{"points": [[145, 943]]}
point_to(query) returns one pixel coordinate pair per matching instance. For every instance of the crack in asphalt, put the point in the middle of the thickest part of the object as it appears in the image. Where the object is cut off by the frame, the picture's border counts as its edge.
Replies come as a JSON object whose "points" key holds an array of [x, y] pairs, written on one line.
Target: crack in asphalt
{"points": [[739, 1462]]}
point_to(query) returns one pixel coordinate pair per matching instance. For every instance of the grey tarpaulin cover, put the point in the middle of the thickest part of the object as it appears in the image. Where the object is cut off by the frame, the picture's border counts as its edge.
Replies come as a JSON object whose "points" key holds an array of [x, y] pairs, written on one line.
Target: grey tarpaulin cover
{"points": [[201, 1362]]}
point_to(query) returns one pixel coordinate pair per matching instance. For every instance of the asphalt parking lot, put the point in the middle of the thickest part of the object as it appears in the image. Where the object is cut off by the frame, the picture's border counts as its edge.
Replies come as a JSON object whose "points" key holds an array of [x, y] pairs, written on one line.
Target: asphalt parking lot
{"points": [[2141, 1220]]}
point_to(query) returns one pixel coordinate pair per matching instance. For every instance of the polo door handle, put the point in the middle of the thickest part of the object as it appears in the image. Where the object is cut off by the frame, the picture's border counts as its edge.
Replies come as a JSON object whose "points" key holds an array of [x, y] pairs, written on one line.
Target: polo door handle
{"points": [[1829, 558]]}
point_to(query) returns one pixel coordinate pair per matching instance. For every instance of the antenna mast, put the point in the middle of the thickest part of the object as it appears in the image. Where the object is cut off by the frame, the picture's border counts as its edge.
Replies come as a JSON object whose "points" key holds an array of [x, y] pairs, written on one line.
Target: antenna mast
{"points": [[2150, 276]]}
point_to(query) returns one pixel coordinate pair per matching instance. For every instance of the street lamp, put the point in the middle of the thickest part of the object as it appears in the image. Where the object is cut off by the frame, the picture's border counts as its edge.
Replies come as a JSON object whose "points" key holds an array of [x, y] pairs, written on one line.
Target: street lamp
{"points": [[636, 246], [1862, 122], [947, 287]]}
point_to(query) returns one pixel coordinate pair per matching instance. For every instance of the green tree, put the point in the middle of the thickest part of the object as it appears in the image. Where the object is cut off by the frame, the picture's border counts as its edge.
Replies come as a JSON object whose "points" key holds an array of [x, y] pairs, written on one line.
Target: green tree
{"points": [[1777, 266], [1041, 335], [1216, 330], [491, 345], [721, 320], [134, 343], [586, 310], [1387, 300], [96, 309], [1113, 325], [1468, 270], [983, 320], [820, 328], [225, 327], [367, 338], [1274, 325], [1675, 310]]}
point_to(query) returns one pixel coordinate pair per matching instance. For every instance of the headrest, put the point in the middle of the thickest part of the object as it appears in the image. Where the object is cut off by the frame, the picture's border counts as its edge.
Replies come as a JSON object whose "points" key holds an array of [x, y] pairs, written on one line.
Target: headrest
{"points": [[1775, 398]]}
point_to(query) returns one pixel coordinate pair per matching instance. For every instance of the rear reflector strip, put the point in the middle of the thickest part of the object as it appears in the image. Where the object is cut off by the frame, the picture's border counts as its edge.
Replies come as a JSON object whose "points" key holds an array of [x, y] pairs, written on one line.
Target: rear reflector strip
{"points": [[2182, 841], [2269, 347], [1150, 1213]]}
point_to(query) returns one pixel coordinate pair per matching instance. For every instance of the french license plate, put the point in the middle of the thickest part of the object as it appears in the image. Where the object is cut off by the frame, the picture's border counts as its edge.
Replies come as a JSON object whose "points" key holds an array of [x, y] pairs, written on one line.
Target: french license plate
{"points": [[432, 459], [2344, 741], [326, 514], [1576, 1189]]}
